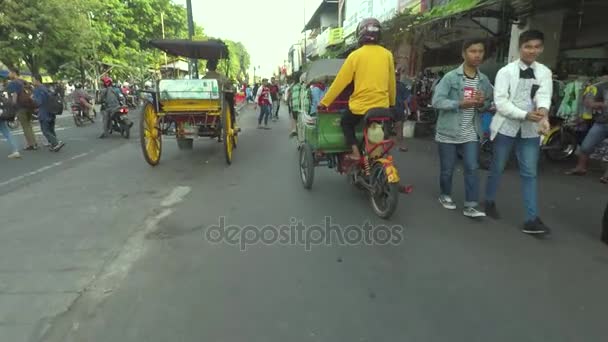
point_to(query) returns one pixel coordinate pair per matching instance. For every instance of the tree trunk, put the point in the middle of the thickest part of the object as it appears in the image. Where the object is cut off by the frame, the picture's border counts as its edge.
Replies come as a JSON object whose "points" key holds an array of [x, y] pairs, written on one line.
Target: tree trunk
{"points": [[32, 64]]}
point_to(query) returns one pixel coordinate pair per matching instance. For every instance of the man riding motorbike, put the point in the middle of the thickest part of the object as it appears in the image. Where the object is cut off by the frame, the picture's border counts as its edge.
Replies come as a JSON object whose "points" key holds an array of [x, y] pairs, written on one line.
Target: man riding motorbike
{"points": [[83, 99], [110, 102], [372, 69]]}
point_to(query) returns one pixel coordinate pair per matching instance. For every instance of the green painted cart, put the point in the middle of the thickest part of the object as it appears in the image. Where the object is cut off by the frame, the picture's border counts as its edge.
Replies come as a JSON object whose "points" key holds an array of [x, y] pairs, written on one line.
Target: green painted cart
{"points": [[321, 142]]}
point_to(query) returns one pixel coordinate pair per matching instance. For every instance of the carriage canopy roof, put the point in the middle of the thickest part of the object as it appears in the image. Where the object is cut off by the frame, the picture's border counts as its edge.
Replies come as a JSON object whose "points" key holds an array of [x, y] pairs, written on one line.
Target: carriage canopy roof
{"points": [[196, 49]]}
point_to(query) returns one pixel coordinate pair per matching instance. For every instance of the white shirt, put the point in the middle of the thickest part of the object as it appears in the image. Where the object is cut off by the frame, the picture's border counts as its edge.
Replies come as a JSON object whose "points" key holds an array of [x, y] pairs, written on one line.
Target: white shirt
{"points": [[511, 109]]}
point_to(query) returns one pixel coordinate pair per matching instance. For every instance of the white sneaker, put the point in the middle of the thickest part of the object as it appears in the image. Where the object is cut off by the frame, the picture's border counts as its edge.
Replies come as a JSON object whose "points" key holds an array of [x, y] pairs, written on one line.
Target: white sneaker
{"points": [[14, 155], [473, 212], [447, 202]]}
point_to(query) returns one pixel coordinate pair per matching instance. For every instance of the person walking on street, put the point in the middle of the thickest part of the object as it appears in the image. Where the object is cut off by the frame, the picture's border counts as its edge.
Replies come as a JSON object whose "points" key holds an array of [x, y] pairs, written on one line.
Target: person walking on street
{"points": [[401, 110], [523, 97], [460, 97], [5, 130], [264, 100], [25, 107], [276, 101], [47, 119], [294, 99]]}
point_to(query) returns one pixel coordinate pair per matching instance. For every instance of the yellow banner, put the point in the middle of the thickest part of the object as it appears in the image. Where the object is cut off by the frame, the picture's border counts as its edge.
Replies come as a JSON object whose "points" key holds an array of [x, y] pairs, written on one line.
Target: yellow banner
{"points": [[336, 36]]}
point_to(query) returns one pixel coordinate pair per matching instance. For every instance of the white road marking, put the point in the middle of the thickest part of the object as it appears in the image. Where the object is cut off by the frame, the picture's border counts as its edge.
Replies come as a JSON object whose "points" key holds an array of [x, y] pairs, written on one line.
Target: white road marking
{"points": [[176, 196], [37, 131], [42, 169]]}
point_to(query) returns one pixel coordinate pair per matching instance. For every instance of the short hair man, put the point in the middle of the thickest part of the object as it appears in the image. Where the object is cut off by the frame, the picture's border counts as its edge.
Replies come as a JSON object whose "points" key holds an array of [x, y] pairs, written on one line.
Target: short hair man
{"points": [[522, 95], [15, 89], [460, 97], [47, 119]]}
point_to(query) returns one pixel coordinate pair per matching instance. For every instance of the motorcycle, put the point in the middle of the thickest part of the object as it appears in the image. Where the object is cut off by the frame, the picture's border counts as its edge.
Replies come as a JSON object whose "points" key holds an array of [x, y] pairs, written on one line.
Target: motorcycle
{"points": [[80, 118], [119, 122], [562, 141]]}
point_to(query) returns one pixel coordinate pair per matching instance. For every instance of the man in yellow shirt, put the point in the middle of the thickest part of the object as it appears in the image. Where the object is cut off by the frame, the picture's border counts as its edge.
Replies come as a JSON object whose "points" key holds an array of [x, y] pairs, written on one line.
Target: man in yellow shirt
{"points": [[371, 67]]}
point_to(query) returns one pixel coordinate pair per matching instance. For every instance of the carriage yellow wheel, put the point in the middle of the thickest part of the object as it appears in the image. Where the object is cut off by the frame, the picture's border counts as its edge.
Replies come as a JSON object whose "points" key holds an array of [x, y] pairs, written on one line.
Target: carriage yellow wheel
{"points": [[228, 132], [150, 135]]}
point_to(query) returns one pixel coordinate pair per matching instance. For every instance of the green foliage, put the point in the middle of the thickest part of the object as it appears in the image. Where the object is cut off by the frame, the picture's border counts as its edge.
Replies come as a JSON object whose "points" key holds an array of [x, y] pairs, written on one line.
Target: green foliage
{"points": [[75, 38]]}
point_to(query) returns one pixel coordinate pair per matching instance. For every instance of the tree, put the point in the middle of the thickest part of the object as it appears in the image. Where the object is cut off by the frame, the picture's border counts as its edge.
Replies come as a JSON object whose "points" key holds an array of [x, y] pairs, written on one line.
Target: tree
{"points": [[41, 33]]}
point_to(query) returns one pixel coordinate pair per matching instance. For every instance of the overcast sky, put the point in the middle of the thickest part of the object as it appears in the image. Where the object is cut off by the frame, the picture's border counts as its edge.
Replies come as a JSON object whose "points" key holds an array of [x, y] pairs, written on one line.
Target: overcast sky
{"points": [[267, 28]]}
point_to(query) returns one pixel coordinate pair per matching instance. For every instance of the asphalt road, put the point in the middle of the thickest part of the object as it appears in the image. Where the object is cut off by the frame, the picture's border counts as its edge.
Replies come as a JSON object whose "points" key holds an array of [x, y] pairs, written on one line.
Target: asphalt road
{"points": [[105, 248]]}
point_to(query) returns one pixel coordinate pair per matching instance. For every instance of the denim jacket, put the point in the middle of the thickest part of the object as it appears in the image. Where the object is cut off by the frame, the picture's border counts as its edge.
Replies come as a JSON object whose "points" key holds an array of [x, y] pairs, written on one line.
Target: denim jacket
{"points": [[447, 97]]}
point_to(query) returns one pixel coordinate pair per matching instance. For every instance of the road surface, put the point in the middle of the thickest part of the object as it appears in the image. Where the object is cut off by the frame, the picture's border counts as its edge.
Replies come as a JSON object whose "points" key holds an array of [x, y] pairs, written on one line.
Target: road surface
{"points": [[98, 246]]}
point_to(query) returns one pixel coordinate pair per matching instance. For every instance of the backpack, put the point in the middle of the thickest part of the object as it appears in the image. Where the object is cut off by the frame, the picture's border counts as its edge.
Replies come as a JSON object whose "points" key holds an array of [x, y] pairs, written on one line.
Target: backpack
{"points": [[24, 98], [55, 103]]}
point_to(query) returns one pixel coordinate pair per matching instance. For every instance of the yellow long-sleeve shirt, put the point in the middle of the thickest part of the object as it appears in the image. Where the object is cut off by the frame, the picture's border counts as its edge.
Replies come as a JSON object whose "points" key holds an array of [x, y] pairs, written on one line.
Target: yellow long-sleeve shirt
{"points": [[373, 70]]}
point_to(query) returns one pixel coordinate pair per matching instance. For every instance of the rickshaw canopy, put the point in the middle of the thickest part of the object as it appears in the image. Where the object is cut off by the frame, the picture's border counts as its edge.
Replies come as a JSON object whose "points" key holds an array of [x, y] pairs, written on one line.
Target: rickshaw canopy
{"points": [[195, 49], [323, 68]]}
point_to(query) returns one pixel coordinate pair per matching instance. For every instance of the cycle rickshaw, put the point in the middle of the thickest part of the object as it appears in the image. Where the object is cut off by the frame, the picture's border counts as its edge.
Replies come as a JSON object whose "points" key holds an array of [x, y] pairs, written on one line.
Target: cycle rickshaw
{"points": [[321, 142]]}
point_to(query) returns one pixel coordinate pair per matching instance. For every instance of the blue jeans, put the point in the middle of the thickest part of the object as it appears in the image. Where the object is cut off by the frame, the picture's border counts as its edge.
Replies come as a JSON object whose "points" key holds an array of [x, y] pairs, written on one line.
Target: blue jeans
{"points": [[265, 111], [6, 132], [447, 160], [597, 134], [48, 129], [527, 151]]}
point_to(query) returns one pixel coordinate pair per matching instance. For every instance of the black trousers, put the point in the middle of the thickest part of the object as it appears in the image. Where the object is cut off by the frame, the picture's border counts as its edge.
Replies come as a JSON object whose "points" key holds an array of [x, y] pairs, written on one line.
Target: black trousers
{"points": [[349, 123]]}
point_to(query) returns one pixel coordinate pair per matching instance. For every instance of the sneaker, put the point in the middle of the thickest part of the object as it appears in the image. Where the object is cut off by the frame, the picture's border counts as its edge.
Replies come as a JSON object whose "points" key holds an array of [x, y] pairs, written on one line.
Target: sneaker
{"points": [[491, 211], [446, 202], [31, 148], [14, 155], [260, 127], [58, 147], [473, 212], [267, 127], [535, 226]]}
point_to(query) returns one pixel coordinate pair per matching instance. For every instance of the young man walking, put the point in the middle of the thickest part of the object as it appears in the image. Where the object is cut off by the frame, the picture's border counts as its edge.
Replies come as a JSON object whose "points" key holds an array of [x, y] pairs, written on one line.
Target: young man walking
{"points": [[294, 102], [275, 96], [46, 118], [264, 100], [25, 107], [460, 97], [523, 97]]}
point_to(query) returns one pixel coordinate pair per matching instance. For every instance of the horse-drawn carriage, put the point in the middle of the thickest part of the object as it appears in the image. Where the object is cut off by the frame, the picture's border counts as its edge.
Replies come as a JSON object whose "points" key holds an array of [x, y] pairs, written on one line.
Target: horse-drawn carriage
{"points": [[189, 108]]}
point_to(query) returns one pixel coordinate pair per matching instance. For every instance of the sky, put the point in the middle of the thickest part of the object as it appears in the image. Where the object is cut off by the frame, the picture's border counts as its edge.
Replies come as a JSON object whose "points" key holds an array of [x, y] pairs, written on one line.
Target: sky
{"points": [[267, 28]]}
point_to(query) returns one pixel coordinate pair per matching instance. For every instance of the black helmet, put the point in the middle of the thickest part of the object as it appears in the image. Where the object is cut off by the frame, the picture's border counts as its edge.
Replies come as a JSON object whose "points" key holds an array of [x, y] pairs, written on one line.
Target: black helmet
{"points": [[78, 85], [369, 31]]}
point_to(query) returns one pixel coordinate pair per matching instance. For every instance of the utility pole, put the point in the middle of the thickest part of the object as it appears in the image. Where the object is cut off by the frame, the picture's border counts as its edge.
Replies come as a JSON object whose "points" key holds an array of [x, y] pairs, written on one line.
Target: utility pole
{"points": [[162, 24], [193, 62]]}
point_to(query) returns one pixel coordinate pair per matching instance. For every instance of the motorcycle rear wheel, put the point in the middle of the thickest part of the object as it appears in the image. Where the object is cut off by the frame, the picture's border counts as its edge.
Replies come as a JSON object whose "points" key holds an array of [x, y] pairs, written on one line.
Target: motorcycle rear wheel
{"points": [[385, 195]]}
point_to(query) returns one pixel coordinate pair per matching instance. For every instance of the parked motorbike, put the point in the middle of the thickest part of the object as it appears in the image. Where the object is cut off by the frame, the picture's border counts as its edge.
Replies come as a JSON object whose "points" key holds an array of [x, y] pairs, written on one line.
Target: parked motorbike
{"points": [[562, 141]]}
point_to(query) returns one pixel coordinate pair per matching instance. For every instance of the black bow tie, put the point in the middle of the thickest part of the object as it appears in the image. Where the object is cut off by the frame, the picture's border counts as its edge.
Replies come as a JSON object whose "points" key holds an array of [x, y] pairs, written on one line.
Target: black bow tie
{"points": [[527, 74]]}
